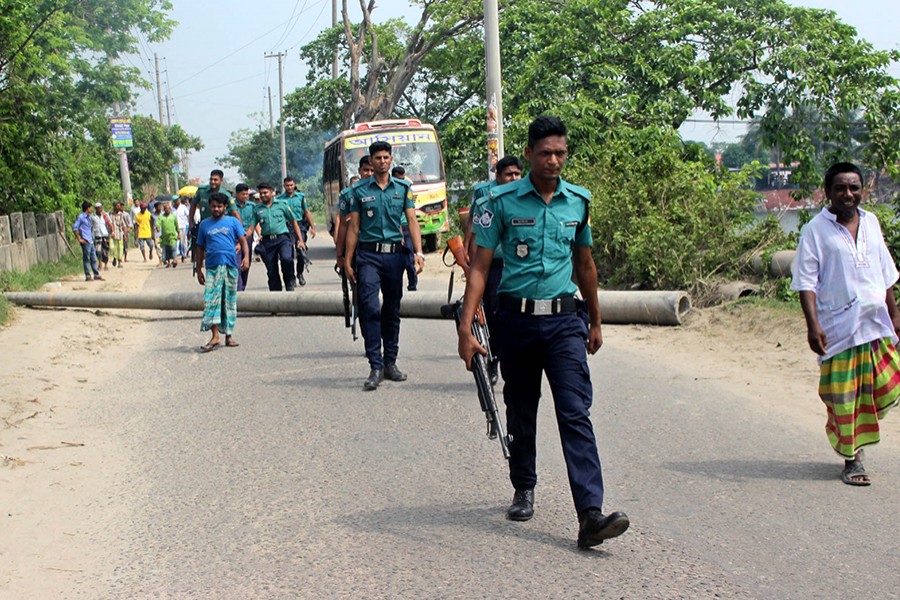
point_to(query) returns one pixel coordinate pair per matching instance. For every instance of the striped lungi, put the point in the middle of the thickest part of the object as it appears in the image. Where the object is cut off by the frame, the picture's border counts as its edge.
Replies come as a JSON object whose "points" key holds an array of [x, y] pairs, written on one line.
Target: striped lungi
{"points": [[220, 299], [858, 387]]}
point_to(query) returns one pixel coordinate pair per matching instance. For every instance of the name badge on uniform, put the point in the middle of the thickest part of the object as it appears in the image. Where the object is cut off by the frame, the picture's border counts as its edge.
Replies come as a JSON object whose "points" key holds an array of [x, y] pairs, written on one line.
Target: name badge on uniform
{"points": [[522, 222], [573, 224], [522, 250], [368, 199]]}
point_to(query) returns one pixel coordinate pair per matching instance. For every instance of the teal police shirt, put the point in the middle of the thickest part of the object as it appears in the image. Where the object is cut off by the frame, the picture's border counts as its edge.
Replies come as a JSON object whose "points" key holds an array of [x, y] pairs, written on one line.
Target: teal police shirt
{"points": [[245, 211], [297, 203], [380, 210], [202, 195], [274, 219], [537, 237], [344, 202]]}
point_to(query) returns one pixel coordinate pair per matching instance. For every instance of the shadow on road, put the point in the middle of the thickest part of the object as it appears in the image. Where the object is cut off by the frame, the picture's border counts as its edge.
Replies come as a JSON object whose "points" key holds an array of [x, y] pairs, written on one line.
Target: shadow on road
{"points": [[438, 522], [742, 470]]}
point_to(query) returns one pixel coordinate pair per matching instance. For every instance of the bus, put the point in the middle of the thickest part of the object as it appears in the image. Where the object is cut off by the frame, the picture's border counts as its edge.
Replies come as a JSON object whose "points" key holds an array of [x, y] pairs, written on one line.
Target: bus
{"points": [[415, 147]]}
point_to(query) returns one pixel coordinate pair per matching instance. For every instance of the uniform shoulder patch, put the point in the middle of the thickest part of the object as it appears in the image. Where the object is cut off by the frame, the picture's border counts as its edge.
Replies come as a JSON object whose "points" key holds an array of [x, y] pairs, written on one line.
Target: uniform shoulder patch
{"points": [[487, 217], [579, 191]]}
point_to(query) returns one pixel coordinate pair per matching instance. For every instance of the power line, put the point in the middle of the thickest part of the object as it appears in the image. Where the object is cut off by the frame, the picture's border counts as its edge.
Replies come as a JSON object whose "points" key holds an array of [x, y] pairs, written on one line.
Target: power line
{"points": [[319, 16], [290, 27], [215, 87]]}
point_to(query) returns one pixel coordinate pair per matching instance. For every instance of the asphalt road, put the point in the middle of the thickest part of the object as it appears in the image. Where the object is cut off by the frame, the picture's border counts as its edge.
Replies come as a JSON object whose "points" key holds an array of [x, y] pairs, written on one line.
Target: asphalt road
{"points": [[265, 471]]}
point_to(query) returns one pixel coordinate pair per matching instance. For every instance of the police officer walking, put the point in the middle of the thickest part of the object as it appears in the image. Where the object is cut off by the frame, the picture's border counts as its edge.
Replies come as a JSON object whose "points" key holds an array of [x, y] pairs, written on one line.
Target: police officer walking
{"points": [[276, 221], [374, 237], [542, 223], [297, 202]]}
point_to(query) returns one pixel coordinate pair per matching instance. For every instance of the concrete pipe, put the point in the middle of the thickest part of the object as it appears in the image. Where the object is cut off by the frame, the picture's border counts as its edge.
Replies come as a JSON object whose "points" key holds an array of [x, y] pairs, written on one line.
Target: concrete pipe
{"points": [[734, 290], [658, 308], [781, 265]]}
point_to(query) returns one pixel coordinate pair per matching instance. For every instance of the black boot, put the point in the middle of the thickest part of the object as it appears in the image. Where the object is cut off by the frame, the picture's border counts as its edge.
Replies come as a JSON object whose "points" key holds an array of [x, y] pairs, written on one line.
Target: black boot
{"points": [[522, 507]]}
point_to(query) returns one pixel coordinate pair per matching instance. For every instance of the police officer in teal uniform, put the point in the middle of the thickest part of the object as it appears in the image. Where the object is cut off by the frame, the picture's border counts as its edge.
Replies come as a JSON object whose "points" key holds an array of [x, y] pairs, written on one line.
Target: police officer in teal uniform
{"points": [[297, 201], [507, 169], [245, 210], [340, 225], [276, 221], [541, 221], [374, 238]]}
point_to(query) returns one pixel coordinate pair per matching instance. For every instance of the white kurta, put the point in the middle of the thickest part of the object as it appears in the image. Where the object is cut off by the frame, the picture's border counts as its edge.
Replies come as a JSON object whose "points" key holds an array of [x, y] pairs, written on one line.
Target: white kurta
{"points": [[850, 278]]}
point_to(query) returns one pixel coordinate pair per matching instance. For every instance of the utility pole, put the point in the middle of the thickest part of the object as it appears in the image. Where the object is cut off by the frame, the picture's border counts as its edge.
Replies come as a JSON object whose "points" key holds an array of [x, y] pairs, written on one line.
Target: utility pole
{"points": [[169, 124], [280, 56], [271, 118], [159, 97], [334, 17], [124, 174], [494, 79]]}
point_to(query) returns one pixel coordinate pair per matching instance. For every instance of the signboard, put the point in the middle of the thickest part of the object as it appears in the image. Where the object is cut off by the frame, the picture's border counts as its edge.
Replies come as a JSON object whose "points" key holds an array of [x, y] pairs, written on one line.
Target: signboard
{"points": [[121, 132], [394, 138]]}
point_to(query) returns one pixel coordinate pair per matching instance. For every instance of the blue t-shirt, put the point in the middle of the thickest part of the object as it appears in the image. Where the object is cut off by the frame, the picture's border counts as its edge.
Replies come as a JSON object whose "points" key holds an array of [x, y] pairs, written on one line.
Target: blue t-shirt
{"points": [[219, 237]]}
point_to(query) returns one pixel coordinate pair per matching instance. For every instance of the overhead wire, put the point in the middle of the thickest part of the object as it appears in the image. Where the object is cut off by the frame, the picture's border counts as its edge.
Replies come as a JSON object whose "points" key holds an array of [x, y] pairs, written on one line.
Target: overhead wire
{"points": [[289, 27], [314, 23]]}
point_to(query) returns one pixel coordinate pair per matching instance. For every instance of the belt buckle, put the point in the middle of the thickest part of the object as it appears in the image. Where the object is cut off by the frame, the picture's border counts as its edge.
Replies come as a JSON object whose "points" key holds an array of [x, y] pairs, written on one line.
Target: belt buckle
{"points": [[543, 307]]}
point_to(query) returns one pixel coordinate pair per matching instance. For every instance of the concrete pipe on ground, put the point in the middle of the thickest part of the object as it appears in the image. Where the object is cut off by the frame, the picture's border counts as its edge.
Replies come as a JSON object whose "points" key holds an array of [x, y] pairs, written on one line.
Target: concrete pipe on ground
{"points": [[734, 290], [781, 265], [657, 308]]}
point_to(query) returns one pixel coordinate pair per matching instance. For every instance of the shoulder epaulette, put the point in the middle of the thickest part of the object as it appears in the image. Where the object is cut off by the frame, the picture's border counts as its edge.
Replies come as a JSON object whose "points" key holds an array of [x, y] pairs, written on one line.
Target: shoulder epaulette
{"points": [[579, 191], [359, 183], [403, 181], [500, 190]]}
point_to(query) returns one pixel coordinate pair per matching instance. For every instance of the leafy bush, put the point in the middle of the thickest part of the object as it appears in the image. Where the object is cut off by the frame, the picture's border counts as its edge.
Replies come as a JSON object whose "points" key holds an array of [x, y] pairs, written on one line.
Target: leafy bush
{"points": [[663, 222]]}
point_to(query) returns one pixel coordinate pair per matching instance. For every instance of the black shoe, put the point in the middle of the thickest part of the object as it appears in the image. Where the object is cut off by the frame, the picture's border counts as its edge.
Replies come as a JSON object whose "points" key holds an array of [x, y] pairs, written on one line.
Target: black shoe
{"points": [[300, 279], [376, 376], [594, 527], [289, 289], [393, 373], [522, 507]]}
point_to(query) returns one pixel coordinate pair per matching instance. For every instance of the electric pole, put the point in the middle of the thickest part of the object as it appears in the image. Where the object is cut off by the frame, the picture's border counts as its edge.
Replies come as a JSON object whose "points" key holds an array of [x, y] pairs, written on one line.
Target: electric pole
{"points": [[271, 118], [494, 91], [169, 124], [159, 97], [280, 56], [124, 174]]}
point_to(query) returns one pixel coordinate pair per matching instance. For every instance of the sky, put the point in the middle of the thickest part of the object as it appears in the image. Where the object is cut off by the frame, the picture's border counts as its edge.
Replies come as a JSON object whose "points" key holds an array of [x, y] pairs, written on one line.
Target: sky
{"points": [[214, 71]]}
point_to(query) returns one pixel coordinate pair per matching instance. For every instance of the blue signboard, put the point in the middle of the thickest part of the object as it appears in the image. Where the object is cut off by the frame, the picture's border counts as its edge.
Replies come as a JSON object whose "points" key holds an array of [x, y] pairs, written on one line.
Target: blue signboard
{"points": [[121, 132]]}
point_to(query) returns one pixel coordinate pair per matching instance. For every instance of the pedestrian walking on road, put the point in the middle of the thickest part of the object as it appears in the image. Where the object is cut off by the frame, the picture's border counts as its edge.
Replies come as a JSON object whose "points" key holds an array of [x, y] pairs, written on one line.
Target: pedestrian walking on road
{"points": [[845, 275], [375, 240], [542, 223], [118, 235], [84, 233], [217, 237], [101, 226], [168, 235], [145, 236], [297, 202]]}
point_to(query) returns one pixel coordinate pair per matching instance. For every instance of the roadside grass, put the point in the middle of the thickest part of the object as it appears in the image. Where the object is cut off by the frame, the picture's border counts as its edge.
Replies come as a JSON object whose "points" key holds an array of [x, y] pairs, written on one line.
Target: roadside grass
{"points": [[33, 279]]}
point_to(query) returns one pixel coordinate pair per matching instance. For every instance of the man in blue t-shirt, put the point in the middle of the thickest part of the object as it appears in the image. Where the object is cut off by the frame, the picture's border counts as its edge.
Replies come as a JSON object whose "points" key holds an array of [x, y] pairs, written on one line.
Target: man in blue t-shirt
{"points": [[217, 238]]}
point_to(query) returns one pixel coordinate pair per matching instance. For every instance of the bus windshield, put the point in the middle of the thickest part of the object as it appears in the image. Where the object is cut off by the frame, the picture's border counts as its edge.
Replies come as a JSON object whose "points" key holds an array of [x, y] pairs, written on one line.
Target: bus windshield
{"points": [[416, 150]]}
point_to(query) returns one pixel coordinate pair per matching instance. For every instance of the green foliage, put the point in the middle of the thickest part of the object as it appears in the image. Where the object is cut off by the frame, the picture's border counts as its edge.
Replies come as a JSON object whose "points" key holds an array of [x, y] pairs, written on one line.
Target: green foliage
{"points": [[257, 156], [155, 150], [662, 222], [58, 79]]}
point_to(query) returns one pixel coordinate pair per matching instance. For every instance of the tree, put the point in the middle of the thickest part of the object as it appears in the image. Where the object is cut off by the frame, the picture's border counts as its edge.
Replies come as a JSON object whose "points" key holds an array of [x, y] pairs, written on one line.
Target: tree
{"points": [[58, 77], [156, 150]]}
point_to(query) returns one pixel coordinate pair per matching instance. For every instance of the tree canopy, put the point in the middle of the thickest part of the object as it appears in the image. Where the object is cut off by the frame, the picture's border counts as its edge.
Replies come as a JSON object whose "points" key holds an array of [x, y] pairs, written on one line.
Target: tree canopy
{"points": [[59, 77]]}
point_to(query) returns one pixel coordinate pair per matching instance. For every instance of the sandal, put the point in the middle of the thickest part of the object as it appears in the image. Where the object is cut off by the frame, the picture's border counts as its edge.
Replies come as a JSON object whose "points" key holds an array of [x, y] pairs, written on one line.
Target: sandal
{"points": [[209, 347], [853, 474], [231, 344]]}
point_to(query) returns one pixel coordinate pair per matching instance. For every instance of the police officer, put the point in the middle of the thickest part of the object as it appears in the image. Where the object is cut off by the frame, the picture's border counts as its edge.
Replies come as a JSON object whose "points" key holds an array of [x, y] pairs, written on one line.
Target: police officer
{"points": [[508, 168], [245, 210], [542, 223], [275, 221], [297, 201], [340, 225], [376, 204]]}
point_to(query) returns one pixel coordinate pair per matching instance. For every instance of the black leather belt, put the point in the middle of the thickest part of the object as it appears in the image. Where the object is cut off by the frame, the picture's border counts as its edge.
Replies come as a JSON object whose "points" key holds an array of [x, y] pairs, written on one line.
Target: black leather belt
{"points": [[273, 237], [381, 248], [526, 306]]}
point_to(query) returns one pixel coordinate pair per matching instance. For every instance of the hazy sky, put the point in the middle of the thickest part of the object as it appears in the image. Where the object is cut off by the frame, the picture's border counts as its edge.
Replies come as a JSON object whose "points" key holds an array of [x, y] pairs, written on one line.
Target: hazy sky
{"points": [[216, 76]]}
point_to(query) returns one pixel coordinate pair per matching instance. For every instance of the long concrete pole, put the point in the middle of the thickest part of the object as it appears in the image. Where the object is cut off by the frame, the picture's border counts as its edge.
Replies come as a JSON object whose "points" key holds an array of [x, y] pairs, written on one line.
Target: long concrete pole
{"points": [[159, 98], [657, 308], [493, 80]]}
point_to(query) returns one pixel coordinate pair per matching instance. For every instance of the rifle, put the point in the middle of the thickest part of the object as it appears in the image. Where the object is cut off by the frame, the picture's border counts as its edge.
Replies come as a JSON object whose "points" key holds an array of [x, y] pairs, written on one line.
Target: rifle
{"points": [[351, 303], [479, 362]]}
